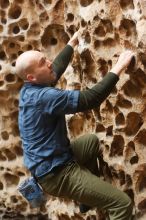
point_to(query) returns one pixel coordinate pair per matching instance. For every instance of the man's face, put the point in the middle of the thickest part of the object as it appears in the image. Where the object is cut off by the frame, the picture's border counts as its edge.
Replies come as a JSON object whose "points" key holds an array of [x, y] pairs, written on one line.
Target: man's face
{"points": [[40, 70]]}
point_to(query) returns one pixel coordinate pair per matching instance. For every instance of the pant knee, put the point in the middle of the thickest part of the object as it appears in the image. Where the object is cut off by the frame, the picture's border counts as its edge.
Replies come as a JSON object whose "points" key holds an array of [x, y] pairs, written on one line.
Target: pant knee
{"points": [[94, 144], [128, 206], [122, 210], [94, 140]]}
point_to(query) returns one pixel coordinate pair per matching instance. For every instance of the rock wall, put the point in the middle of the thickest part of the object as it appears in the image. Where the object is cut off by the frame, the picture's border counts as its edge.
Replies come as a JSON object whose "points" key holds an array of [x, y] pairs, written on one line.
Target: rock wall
{"points": [[108, 27]]}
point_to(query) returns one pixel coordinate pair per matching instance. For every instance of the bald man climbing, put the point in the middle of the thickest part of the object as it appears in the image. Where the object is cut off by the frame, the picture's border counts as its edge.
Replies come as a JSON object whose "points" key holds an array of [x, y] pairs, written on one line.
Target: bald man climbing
{"points": [[62, 167]]}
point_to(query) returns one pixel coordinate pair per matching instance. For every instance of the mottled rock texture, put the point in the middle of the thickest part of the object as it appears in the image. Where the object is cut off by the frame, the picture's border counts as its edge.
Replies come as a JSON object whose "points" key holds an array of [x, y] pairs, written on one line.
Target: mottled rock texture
{"points": [[108, 27]]}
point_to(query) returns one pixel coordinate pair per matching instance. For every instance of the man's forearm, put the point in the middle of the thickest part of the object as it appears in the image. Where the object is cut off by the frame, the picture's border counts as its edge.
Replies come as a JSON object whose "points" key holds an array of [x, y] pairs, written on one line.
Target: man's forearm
{"points": [[62, 60], [92, 98]]}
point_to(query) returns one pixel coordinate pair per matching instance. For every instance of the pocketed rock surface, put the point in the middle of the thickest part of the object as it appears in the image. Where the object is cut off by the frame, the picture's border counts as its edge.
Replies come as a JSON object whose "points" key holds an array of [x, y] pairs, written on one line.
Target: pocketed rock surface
{"points": [[107, 27]]}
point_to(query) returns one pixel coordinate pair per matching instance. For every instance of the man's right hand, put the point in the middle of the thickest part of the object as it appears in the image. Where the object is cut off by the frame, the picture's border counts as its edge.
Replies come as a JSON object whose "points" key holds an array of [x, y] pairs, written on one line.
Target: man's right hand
{"points": [[123, 62], [74, 39]]}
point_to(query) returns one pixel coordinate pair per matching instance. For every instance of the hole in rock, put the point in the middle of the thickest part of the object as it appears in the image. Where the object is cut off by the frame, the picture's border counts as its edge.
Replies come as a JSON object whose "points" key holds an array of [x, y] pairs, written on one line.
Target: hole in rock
{"points": [[87, 38], [2, 55], [143, 58], [29, 47], [100, 128], [50, 33], [140, 178], [130, 152], [134, 159], [100, 31], [121, 176], [128, 27], [18, 150], [133, 123], [41, 7], [117, 141], [11, 179], [128, 180], [3, 20], [109, 107], [44, 16], [16, 29], [24, 24], [85, 3], [120, 120], [15, 130], [16, 102], [88, 63], [142, 205], [11, 45], [141, 137], [83, 23], [132, 64], [20, 173], [139, 77], [53, 41], [130, 193], [20, 52], [5, 135], [10, 77], [109, 42], [122, 102], [96, 18], [76, 125], [1, 83], [141, 182], [110, 62], [131, 145], [70, 17], [71, 29], [9, 154], [2, 13], [132, 89], [109, 131], [108, 25], [34, 30], [97, 44], [126, 4], [14, 199], [13, 56], [4, 3], [21, 38], [1, 186], [103, 66], [14, 11]]}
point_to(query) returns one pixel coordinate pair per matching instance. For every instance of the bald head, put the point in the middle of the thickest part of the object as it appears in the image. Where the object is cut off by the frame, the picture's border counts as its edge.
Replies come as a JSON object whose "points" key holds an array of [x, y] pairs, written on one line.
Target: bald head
{"points": [[33, 66], [25, 61]]}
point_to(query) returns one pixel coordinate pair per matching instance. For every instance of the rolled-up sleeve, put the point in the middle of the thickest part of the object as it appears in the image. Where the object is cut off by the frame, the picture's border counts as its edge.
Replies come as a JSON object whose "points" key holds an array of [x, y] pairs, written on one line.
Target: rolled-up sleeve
{"points": [[57, 101]]}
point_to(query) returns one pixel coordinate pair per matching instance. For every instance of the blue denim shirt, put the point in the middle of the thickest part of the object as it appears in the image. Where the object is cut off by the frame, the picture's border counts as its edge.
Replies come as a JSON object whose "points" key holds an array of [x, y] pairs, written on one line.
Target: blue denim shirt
{"points": [[42, 126], [42, 121]]}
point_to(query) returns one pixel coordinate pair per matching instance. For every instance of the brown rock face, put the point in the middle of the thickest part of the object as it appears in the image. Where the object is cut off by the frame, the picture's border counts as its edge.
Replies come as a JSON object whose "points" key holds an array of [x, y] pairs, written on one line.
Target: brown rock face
{"points": [[108, 27]]}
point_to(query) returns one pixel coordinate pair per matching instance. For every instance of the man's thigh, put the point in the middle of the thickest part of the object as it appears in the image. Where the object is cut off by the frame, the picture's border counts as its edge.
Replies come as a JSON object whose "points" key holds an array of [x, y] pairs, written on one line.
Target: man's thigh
{"points": [[86, 148], [83, 186]]}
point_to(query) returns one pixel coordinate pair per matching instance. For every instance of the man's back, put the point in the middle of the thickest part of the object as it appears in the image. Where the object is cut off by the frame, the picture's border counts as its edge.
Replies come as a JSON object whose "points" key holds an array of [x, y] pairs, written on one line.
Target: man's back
{"points": [[42, 125]]}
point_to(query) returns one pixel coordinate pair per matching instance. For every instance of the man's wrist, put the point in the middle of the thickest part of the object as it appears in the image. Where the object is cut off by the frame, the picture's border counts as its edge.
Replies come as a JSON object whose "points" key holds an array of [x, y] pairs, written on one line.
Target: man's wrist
{"points": [[72, 44], [117, 69]]}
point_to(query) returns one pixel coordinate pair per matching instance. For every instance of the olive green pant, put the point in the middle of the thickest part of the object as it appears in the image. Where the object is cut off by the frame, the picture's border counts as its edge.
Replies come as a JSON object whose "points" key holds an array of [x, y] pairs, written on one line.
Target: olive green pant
{"points": [[78, 181]]}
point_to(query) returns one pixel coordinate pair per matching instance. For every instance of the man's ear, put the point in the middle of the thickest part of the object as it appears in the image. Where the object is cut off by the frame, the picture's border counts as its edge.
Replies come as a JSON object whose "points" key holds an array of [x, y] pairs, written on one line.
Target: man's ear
{"points": [[31, 78]]}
